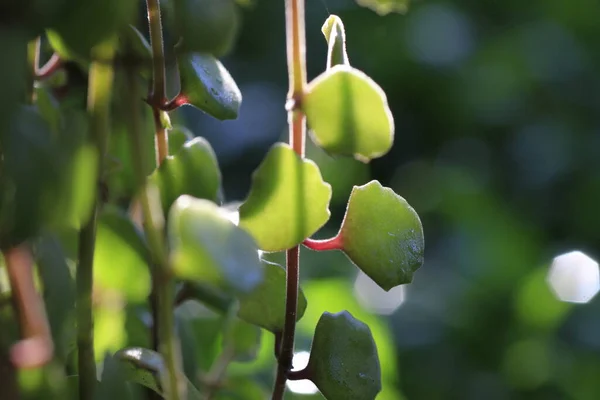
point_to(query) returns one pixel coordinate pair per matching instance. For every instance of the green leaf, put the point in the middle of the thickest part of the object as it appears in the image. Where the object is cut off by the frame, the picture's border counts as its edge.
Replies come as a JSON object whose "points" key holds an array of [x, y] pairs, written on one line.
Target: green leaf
{"points": [[102, 19], [206, 26], [288, 200], [178, 136], [348, 114], [146, 367], [121, 258], [243, 338], [134, 49], [59, 292], [242, 388], [382, 234], [113, 384], [143, 366], [265, 305], [208, 86], [343, 362], [207, 247], [193, 170], [384, 7], [333, 29]]}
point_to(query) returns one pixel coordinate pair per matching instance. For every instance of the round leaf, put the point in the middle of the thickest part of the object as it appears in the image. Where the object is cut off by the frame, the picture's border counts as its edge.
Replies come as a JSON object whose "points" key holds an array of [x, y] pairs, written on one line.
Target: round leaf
{"points": [[208, 86], [348, 114], [343, 362], [207, 247], [288, 200], [265, 305], [382, 234], [193, 170], [207, 26], [121, 259]]}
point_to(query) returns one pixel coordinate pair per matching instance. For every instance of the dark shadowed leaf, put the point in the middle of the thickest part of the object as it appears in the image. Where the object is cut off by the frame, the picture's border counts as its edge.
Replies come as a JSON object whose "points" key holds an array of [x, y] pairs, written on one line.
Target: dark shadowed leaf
{"points": [[343, 362], [206, 246], [113, 383], [206, 26], [193, 170], [265, 305], [348, 114], [382, 234], [288, 200], [208, 86]]}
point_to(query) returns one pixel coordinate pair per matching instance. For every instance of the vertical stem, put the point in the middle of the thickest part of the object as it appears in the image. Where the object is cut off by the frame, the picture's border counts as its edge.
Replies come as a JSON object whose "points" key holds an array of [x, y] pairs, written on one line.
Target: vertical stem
{"points": [[163, 283], [296, 60], [100, 83], [33, 61], [158, 96]]}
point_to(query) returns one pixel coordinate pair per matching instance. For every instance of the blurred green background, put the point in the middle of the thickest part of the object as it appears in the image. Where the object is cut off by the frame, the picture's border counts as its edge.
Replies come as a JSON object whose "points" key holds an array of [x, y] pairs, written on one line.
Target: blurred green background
{"points": [[497, 148]]}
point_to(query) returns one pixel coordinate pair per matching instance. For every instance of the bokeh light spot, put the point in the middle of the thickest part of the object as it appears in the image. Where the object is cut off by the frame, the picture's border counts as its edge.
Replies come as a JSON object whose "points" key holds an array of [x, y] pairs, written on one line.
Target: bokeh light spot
{"points": [[375, 299], [303, 386], [574, 277]]}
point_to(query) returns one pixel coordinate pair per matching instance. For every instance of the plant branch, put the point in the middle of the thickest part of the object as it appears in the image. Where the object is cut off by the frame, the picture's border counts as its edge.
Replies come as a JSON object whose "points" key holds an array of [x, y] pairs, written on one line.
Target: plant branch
{"points": [[163, 285], [33, 60], [158, 95], [100, 83], [296, 60], [334, 243], [36, 348]]}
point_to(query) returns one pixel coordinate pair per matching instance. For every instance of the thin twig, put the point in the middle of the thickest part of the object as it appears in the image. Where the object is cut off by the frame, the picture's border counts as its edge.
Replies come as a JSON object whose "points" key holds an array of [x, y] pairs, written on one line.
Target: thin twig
{"points": [[296, 48]]}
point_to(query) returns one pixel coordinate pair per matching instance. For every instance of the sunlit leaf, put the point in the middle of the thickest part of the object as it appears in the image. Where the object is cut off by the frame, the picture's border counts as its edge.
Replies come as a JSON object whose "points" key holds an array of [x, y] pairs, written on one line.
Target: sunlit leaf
{"points": [[121, 258], [348, 114], [206, 26], [288, 200], [265, 305], [333, 29], [208, 86], [193, 170], [343, 360], [382, 234], [384, 7], [207, 247]]}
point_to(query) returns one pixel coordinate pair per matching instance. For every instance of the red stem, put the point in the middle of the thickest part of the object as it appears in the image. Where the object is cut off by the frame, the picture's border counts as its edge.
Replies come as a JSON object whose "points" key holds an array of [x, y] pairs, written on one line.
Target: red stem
{"points": [[334, 243]]}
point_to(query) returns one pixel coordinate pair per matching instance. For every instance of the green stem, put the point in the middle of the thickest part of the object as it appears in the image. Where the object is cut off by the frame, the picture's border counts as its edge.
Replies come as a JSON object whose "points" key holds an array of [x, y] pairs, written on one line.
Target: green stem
{"points": [[164, 285], [33, 61], [296, 49], [100, 83]]}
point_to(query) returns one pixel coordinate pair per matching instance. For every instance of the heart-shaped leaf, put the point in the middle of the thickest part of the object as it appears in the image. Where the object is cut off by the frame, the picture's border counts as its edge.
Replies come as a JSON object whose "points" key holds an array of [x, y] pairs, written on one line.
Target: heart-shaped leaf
{"points": [[265, 305], [288, 200], [382, 234], [348, 114], [384, 7], [208, 86], [334, 32], [206, 26], [207, 247], [178, 136], [121, 258], [193, 170], [343, 362]]}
